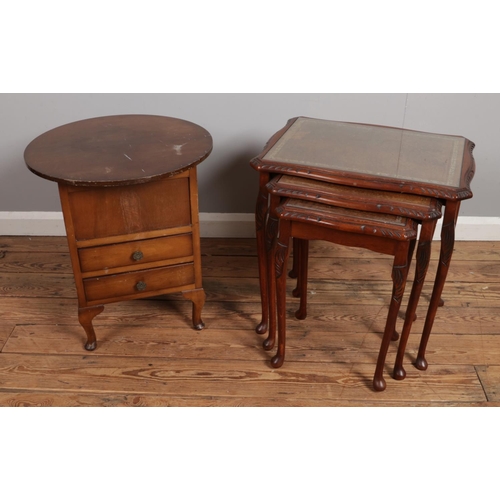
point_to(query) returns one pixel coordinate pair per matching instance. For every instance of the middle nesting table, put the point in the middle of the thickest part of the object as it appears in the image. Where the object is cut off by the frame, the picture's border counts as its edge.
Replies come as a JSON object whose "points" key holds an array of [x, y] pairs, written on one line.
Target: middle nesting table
{"points": [[363, 217]]}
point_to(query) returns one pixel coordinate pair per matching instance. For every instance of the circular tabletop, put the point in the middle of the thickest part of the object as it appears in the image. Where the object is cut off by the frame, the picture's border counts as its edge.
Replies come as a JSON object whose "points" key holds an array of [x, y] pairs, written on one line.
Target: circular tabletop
{"points": [[118, 150]]}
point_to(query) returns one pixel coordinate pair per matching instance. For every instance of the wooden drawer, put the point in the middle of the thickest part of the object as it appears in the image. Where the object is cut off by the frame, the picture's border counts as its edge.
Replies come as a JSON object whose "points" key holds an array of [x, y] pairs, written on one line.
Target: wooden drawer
{"points": [[135, 284], [111, 211], [135, 252]]}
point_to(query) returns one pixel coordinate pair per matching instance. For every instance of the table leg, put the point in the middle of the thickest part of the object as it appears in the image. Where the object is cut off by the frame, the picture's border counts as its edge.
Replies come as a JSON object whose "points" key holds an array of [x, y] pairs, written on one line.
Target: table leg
{"points": [[85, 317], [301, 313], [278, 276], [197, 297], [411, 251], [399, 275], [447, 244], [261, 211], [423, 258], [297, 245], [270, 240], [294, 272]]}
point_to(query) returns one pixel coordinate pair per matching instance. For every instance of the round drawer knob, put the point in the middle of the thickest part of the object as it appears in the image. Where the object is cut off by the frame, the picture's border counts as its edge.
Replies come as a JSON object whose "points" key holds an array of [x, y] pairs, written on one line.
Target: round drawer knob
{"points": [[137, 255], [140, 286]]}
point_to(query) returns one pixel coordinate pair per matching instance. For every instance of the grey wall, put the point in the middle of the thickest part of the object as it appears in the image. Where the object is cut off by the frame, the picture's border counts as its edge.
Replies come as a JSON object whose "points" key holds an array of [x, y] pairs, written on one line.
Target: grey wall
{"points": [[240, 125]]}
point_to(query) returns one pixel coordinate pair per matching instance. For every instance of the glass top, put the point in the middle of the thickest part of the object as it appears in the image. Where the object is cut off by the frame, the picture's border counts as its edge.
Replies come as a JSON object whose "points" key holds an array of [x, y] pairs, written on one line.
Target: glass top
{"points": [[372, 150]]}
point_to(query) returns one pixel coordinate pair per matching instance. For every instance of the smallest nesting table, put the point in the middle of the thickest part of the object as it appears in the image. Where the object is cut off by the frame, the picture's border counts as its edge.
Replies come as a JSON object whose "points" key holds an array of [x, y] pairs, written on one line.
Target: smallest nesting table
{"points": [[389, 234], [129, 196]]}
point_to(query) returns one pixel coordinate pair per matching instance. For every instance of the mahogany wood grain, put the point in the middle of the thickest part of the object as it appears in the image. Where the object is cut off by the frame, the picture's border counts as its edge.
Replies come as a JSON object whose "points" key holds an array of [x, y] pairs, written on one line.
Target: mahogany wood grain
{"points": [[306, 220], [379, 158], [372, 157], [372, 200], [423, 209]]}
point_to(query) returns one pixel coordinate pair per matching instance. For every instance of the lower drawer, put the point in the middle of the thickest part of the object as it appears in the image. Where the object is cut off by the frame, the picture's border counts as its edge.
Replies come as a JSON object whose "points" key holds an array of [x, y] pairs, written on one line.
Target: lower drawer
{"points": [[138, 283]]}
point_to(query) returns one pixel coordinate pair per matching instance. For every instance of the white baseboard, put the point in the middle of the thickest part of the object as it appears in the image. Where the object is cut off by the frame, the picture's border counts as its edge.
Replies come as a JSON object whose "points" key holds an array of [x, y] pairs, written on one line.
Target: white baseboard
{"points": [[213, 225], [51, 224], [475, 229], [32, 224], [216, 225]]}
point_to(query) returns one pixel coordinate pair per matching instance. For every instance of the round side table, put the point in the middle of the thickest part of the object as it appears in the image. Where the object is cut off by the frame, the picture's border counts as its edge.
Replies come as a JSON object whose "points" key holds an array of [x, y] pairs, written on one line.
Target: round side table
{"points": [[129, 197]]}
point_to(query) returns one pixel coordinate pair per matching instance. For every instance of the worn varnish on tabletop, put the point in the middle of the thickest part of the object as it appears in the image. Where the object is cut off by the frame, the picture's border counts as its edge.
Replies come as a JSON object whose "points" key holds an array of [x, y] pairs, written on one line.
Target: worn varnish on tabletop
{"points": [[118, 150]]}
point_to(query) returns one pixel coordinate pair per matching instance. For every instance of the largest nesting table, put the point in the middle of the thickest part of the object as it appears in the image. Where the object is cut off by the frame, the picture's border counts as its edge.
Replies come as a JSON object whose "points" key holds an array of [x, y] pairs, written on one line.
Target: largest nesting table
{"points": [[129, 196], [389, 159]]}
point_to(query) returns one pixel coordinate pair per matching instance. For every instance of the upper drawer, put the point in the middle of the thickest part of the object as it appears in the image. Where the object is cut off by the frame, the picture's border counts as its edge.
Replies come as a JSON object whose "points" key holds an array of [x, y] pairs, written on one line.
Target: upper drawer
{"points": [[111, 211], [135, 252]]}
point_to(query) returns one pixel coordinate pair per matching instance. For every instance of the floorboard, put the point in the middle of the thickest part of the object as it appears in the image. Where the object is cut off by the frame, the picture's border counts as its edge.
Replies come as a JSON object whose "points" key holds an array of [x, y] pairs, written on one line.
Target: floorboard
{"points": [[148, 354]]}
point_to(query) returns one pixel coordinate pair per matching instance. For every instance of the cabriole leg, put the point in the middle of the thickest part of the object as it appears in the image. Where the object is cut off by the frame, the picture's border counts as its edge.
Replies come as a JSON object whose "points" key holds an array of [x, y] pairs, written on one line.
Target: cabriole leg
{"points": [[278, 275], [447, 244], [271, 236], [423, 257], [260, 228], [399, 274], [85, 317], [197, 297], [301, 313]]}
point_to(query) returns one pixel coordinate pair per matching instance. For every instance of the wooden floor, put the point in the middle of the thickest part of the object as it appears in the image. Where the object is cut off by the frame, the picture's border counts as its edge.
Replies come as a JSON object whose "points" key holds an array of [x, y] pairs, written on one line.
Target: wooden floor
{"points": [[148, 354]]}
